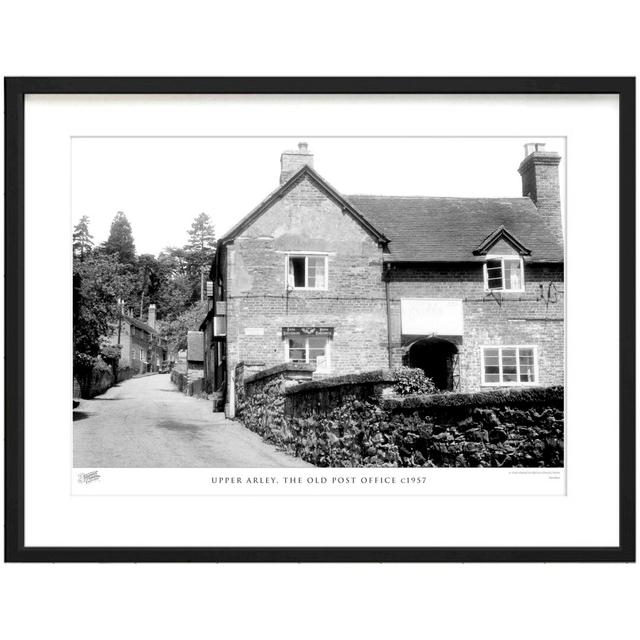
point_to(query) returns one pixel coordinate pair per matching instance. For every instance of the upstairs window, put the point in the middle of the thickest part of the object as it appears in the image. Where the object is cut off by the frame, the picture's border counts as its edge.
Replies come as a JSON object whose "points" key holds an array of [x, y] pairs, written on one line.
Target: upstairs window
{"points": [[307, 272], [509, 365], [504, 273]]}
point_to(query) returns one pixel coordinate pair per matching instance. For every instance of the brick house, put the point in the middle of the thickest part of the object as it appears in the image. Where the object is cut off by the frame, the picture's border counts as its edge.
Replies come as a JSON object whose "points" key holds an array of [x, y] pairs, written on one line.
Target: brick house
{"points": [[468, 289], [142, 349]]}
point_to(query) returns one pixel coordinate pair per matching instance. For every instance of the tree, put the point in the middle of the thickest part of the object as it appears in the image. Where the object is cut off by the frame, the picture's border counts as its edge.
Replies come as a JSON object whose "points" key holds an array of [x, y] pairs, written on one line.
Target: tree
{"points": [[82, 239], [174, 330], [202, 240], [149, 278], [174, 261], [99, 282], [120, 242], [200, 250]]}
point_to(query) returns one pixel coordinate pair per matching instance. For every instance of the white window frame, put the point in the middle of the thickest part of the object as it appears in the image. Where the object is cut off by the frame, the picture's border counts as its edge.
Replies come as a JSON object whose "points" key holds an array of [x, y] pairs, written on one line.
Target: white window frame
{"points": [[517, 383], [502, 258], [306, 255], [327, 351]]}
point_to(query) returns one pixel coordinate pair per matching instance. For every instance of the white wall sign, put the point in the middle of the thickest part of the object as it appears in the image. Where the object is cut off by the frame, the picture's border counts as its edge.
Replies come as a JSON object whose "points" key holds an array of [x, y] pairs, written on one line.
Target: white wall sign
{"points": [[427, 317], [254, 331]]}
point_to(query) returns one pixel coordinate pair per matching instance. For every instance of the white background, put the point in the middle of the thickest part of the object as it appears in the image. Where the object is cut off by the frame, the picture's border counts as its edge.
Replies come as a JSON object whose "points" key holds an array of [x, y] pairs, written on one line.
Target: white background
{"points": [[492, 601]]}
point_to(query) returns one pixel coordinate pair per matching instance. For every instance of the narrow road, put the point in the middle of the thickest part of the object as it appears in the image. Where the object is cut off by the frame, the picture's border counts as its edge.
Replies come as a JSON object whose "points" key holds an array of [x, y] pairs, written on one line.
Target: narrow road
{"points": [[147, 422]]}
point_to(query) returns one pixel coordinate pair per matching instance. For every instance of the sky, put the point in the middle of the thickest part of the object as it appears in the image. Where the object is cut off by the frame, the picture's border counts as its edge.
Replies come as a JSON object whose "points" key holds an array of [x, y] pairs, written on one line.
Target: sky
{"points": [[162, 184]]}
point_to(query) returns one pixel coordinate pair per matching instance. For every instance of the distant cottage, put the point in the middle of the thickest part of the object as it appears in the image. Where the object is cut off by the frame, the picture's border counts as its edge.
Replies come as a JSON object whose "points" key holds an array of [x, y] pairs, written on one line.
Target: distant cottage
{"points": [[142, 348], [468, 289]]}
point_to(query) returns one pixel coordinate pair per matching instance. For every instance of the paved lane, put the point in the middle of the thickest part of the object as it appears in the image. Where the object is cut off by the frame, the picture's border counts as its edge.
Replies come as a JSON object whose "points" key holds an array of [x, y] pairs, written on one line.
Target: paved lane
{"points": [[146, 422]]}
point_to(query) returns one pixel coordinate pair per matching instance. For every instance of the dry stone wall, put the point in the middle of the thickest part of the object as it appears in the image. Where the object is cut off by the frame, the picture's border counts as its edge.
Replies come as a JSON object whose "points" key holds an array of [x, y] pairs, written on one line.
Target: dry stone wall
{"points": [[353, 421]]}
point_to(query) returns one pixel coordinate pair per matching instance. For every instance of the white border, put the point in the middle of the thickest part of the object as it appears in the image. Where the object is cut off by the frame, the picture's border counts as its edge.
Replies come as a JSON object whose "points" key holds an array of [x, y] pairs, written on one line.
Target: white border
{"points": [[588, 515]]}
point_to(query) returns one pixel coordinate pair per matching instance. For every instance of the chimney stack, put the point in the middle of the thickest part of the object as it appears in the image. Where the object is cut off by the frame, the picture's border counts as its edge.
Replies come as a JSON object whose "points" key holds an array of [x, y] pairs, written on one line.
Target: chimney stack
{"points": [[292, 161], [541, 182], [152, 316]]}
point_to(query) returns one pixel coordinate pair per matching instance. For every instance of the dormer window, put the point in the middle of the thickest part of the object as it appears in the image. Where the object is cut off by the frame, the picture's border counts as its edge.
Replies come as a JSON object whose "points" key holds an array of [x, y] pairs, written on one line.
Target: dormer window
{"points": [[504, 273]]}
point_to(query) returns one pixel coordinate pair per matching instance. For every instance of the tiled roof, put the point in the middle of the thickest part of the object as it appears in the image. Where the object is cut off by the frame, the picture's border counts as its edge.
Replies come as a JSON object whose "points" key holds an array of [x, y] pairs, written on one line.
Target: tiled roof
{"points": [[449, 229], [195, 346], [139, 324]]}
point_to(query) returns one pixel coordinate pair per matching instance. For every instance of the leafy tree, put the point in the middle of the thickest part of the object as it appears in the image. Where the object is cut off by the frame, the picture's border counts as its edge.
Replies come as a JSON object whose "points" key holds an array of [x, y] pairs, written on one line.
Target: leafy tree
{"points": [[174, 261], [149, 279], [173, 297], [120, 242], [170, 286], [82, 239], [99, 282], [174, 330], [111, 353]]}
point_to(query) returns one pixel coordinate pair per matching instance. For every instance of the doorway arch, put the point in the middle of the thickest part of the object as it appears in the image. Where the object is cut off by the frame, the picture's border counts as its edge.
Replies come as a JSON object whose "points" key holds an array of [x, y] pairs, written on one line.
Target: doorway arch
{"points": [[438, 358]]}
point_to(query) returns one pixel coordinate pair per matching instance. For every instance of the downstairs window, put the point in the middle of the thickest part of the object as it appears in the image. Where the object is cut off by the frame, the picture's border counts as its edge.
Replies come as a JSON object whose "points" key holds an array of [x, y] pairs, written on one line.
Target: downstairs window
{"points": [[509, 365], [309, 349]]}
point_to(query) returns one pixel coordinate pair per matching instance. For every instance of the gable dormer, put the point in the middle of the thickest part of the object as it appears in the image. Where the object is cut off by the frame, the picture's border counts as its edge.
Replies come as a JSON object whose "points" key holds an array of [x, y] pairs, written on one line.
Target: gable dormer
{"points": [[503, 269], [501, 241]]}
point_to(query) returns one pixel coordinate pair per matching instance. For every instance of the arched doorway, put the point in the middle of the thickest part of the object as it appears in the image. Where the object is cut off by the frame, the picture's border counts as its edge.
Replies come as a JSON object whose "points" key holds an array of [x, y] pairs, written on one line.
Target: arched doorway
{"points": [[438, 359]]}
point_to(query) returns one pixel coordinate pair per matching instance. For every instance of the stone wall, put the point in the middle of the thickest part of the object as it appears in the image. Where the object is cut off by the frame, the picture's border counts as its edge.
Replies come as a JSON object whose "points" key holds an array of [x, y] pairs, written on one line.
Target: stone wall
{"points": [[323, 396], [261, 403], [354, 421], [101, 378], [191, 387]]}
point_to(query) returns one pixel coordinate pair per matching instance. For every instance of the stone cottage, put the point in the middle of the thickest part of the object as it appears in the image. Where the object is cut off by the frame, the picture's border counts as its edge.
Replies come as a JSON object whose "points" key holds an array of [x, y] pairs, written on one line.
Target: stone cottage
{"points": [[468, 289], [141, 347]]}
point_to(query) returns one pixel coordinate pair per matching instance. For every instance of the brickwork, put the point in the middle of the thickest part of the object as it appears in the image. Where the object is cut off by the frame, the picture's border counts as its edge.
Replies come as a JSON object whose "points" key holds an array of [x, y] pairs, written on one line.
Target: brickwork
{"points": [[533, 317], [135, 343], [260, 304], [540, 182], [361, 304]]}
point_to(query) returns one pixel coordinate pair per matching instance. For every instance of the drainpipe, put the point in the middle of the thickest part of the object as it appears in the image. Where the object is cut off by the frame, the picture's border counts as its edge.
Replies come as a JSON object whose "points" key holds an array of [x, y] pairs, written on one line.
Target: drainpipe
{"points": [[387, 277]]}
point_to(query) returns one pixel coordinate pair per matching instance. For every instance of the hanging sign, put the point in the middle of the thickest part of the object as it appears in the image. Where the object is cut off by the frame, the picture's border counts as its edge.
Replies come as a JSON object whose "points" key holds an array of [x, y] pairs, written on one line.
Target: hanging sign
{"points": [[324, 332]]}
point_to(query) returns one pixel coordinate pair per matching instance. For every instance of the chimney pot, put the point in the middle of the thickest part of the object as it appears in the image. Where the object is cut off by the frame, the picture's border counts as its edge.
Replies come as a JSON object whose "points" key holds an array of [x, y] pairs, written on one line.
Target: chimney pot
{"points": [[292, 161], [533, 147]]}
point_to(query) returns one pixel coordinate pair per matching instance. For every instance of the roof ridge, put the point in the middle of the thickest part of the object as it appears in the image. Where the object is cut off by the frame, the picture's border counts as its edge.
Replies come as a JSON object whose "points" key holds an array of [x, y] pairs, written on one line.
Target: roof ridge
{"points": [[368, 195], [306, 171], [139, 322]]}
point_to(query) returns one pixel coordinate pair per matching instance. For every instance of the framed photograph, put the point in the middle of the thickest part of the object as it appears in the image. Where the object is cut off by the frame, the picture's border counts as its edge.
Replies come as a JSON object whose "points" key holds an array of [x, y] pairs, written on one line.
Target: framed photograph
{"points": [[320, 319]]}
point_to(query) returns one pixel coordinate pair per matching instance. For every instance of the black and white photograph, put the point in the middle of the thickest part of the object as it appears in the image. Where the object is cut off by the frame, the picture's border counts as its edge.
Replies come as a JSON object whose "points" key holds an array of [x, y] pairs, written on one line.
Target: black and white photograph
{"points": [[261, 302], [307, 326]]}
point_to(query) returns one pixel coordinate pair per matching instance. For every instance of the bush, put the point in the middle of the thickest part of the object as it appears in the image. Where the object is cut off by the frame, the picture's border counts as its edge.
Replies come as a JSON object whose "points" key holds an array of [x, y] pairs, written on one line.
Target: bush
{"points": [[410, 381]]}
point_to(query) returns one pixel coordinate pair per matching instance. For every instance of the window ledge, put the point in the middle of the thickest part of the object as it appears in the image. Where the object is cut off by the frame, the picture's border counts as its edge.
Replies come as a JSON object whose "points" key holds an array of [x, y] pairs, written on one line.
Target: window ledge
{"points": [[493, 385]]}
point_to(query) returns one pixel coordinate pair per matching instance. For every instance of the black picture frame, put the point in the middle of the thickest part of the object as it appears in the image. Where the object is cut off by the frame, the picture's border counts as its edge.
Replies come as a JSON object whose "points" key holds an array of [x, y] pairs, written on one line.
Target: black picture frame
{"points": [[15, 91]]}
